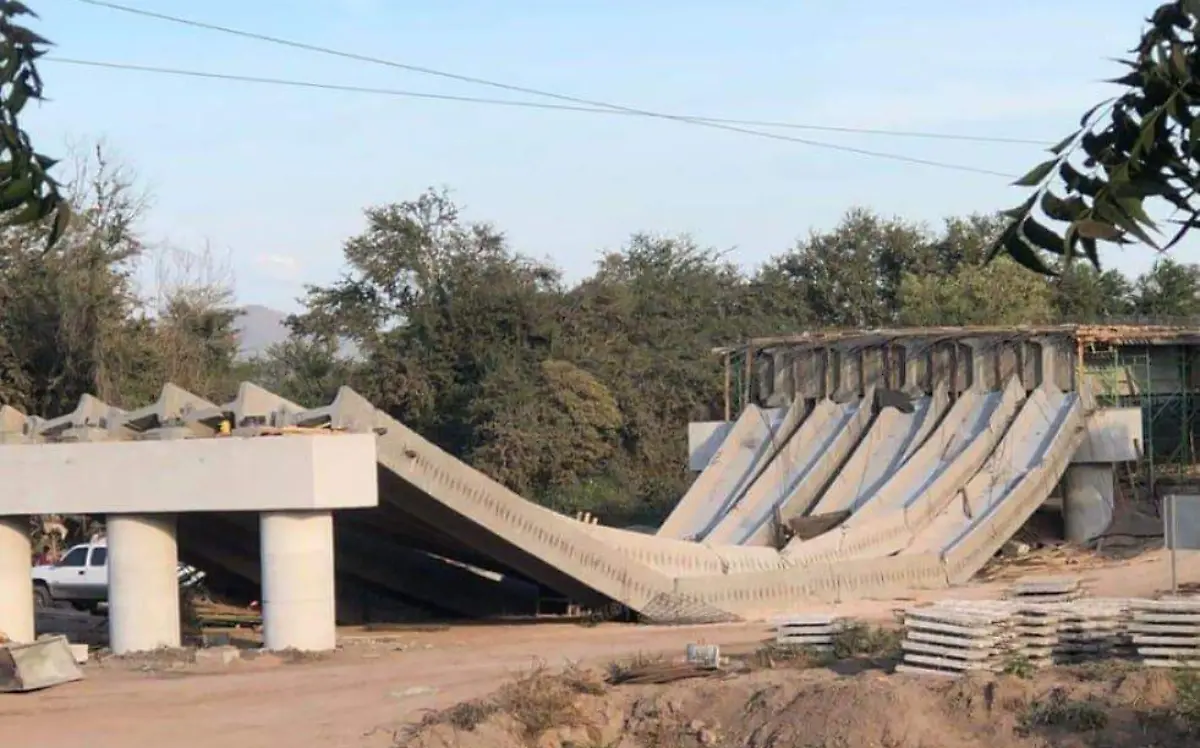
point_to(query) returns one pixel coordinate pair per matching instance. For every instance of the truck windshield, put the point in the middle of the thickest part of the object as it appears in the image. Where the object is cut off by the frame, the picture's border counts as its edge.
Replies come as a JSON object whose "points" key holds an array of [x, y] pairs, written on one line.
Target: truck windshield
{"points": [[77, 557]]}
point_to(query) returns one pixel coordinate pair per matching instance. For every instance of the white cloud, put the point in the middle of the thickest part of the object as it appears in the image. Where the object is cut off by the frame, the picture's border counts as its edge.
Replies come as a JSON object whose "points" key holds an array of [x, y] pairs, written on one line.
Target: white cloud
{"points": [[277, 266]]}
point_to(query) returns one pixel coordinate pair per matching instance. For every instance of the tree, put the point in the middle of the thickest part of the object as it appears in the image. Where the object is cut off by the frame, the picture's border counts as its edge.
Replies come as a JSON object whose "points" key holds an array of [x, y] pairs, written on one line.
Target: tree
{"points": [[947, 283], [1000, 293], [1083, 294], [1143, 145], [1169, 290], [69, 324], [73, 322], [28, 194], [194, 330], [303, 369], [644, 325], [559, 432], [850, 276], [452, 325]]}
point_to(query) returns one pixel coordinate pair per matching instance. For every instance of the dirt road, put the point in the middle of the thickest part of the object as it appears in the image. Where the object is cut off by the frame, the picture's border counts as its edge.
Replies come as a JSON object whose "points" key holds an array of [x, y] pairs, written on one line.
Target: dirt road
{"points": [[377, 683], [332, 704]]}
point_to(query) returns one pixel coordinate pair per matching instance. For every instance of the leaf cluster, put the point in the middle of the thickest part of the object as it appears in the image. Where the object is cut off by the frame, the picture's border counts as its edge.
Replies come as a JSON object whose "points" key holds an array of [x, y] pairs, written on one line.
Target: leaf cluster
{"points": [[28, 193], [1129, 151]]}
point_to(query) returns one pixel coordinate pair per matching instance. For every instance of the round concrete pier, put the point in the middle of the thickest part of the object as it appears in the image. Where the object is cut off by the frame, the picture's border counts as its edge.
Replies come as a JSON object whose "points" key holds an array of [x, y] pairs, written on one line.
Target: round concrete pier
{"points": [[297, 581], [143, 582], [16, 583], [1087, 502]]}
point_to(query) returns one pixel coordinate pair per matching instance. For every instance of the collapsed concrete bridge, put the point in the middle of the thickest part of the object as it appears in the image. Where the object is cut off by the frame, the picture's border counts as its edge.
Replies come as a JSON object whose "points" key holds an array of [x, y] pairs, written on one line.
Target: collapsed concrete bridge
{"points": [[935, 472]]}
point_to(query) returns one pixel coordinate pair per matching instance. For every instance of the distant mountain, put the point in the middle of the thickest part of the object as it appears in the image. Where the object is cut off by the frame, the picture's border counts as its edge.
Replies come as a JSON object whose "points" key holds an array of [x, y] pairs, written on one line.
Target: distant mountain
{"points": [[259, 328]]}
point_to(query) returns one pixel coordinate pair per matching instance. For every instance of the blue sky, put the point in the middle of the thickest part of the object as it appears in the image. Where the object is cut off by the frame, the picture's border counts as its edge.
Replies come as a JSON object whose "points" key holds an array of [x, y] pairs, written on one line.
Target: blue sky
{"points": [[275, 179]]}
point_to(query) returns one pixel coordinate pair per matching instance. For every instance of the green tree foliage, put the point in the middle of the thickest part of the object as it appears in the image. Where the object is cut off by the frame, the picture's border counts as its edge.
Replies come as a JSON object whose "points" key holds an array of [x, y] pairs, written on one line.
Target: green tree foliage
{"points": [[73, 322], [305, 370], [69, 325], [851, 276], [193, 339], [573, 394], [1000, 293], [1170, 291], [1084, 294], [645, 324], [1140, 146], [870, 272], [28, 194], [949, 284], [576, 395]]}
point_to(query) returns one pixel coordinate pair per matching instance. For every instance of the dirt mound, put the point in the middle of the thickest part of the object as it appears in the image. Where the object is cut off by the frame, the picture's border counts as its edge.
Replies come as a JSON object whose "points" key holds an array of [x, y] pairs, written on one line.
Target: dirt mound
{"points": [[1112, 707]]}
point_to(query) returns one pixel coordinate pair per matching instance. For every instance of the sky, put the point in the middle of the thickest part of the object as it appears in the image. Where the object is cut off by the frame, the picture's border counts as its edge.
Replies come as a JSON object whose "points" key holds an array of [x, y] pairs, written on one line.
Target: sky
{"points": [[273, 180]]}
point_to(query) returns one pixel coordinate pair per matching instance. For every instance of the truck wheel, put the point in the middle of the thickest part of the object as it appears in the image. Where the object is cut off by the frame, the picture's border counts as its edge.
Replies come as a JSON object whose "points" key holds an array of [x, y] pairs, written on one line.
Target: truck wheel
{"points": [[41, 597]]}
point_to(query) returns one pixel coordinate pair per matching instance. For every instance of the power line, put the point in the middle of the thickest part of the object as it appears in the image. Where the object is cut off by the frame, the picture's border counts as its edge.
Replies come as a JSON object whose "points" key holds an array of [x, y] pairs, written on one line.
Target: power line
{"points": [[537, 92], [525, 104]]}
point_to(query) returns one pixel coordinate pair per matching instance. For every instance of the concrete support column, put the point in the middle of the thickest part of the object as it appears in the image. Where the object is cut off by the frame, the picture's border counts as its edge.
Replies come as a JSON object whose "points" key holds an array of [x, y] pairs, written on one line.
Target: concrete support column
{"points": [[16, 583], [299, 608], [776, 382], [808, 373], [143, 582], [1087, 501], [872, 368], [973, 365], [848, 373], [916, 369], [1047, 358]]}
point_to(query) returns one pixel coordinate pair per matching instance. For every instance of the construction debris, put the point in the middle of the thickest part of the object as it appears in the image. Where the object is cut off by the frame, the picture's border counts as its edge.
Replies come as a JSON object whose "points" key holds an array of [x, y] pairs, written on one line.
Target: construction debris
{"points": [[812, 631], [41, 664], [811, 526], [1044, 590], [662, 672], [212, 614], [704, 655], [1050, 559], [219, 656], [79, 652]]}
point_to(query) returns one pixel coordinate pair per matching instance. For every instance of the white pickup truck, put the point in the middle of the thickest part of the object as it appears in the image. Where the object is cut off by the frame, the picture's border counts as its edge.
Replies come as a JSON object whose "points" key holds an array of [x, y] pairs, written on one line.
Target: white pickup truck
{"points": [[81, 578]]}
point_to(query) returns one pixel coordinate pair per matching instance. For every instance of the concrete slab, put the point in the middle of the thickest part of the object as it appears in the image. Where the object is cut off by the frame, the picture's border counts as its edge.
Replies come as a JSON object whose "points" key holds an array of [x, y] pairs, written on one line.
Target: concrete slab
{"points": [[794, 477], [704, 439], [892, 439], [188, 475], [752, 441], [41, 664], [1113, 435]]}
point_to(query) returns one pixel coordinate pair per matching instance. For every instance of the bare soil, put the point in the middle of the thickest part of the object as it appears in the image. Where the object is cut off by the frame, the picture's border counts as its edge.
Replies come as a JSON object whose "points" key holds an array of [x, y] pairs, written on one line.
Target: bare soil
{"points": [[379, 683], [818, 708]]}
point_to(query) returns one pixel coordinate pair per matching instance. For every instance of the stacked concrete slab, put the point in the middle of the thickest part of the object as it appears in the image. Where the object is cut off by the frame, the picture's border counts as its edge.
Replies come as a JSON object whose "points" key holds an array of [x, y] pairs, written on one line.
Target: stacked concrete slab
{"points": [[1070, 632], [1046, 590], [1166, 633], [953, 638], [812, 631]]}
